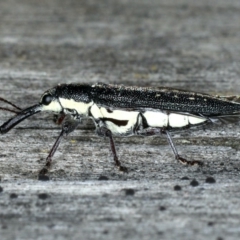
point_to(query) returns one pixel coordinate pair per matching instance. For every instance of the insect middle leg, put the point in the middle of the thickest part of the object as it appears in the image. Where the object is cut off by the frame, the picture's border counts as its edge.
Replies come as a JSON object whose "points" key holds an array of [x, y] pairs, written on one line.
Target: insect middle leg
{"points": [[105, 132], [69, 124], [159, 131]]}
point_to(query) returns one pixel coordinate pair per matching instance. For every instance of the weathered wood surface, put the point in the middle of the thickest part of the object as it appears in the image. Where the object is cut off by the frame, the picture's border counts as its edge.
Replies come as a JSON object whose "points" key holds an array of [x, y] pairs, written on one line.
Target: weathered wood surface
{"points": [[178, 43]]}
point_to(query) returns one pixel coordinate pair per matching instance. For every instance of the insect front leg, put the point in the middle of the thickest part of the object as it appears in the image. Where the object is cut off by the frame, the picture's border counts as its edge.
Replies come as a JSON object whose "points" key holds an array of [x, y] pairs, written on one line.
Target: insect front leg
{"points": [[69, 125], [58, 118], [105, 132], [158, 131]]}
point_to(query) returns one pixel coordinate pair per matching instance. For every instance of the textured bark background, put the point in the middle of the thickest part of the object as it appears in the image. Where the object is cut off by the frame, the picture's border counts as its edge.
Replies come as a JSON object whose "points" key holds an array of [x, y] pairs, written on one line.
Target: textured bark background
{"points": [[187, 44]]}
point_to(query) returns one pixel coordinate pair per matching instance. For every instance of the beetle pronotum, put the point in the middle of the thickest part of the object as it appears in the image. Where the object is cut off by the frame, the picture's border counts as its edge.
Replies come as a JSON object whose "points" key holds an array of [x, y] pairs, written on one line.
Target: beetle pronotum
{"points": [[118, 110]]}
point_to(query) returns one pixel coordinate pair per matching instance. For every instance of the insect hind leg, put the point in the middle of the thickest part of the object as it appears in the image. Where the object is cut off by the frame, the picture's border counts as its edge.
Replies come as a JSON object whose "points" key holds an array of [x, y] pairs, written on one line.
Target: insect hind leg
{"points": [[105, 132], [177, 156], [159, 131]]}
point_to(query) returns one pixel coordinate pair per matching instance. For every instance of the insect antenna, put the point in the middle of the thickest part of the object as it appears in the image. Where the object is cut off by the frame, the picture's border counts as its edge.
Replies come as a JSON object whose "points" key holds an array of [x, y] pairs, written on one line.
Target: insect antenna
{"points": [[7, 109]]}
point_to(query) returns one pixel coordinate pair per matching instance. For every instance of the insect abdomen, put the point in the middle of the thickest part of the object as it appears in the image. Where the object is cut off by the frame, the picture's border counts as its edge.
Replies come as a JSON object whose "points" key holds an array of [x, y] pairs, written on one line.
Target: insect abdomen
{"points": [[171, 120], [126, 123]]}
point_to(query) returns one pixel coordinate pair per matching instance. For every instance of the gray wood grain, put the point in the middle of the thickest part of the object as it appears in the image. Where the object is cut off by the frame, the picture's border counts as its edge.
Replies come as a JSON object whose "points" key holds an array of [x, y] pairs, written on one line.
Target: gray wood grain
{"points": [[193, 45]]}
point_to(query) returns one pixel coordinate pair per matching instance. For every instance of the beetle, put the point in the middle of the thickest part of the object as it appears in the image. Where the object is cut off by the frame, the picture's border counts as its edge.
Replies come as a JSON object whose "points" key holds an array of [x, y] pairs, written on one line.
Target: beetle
{"points": [[118, 110]]}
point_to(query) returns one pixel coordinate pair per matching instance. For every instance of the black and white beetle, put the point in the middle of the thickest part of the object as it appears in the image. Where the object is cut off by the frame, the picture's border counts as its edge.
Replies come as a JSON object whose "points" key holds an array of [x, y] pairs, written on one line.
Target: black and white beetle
{"points": [[118, 110]]}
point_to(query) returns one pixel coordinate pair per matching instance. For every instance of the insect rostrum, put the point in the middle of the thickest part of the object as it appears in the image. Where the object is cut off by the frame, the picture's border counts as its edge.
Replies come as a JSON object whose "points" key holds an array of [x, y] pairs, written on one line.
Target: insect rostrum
{"points": [[118, 110]]}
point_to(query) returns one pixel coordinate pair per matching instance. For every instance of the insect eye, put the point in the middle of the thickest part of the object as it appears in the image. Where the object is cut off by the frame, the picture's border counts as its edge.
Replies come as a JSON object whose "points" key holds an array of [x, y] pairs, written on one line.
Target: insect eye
{"points": [[46, 100]]}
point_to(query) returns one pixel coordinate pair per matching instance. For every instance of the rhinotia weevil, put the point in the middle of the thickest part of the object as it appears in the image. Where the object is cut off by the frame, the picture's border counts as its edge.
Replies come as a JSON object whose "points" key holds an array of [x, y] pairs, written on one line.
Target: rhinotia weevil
{"points": [[118, 110]]}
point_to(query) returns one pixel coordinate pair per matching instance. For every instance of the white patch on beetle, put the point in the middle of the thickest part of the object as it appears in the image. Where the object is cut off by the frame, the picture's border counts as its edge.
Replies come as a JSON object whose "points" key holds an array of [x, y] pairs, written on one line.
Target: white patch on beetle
{"points": [[177, 120], [120, 123], [81, 107], [119, 114], [96, 112], [156, 119], [196, 120], [54, 106]]}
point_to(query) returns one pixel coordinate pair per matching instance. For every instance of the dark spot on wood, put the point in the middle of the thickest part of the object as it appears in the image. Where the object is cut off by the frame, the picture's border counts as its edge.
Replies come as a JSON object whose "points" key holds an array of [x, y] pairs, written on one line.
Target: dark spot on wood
{"points": [[52, 225], [185, 178], [1, 189], [13, 195], [103, 178], [43, 178], [194, 183], [42, 196], [210, 224], [210, 180], [129, 191], [105, 231], [177, 188], [119, 123], [4, 226], [105, 195], [162, 208]]}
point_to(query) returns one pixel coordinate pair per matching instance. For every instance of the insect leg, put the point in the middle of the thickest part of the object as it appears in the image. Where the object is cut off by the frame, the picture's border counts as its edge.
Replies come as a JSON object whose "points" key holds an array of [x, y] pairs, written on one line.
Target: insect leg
{"points": [[158, 131], [58, 118], [104, 132], [177, 156], [68, 126]]}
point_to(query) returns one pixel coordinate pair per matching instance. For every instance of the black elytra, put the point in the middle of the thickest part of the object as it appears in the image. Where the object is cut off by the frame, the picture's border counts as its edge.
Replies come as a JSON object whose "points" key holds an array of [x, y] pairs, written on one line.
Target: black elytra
{"points": [[119, 96]]}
